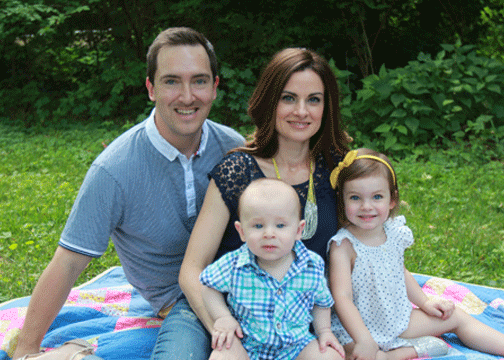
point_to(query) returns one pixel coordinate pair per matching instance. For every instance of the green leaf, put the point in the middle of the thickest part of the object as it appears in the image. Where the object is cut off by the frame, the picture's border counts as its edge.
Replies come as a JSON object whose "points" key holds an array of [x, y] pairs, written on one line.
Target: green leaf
{"points": [[383, 110], [402, 129], [397, 99], [495, 88], [383, 128], [415, 88], [365, 94], [423, 108], [383, 71], [399, 113], [389, 141], [383, 87], [439, 99], [412, 124]]}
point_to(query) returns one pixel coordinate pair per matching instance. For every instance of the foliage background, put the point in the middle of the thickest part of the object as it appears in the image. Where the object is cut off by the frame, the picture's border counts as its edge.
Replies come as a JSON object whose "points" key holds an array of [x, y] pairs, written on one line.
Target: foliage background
{"points": [[68, 61]]}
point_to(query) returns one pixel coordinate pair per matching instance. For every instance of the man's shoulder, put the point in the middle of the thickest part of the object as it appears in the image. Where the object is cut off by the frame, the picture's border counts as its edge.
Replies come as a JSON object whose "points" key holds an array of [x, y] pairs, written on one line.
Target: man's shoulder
{"points": [[225, 133], [121, 149]]}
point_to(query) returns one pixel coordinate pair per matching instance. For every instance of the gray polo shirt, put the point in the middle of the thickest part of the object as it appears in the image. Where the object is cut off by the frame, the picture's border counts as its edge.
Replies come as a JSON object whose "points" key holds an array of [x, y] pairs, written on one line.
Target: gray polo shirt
{"points": [[144, 194]]}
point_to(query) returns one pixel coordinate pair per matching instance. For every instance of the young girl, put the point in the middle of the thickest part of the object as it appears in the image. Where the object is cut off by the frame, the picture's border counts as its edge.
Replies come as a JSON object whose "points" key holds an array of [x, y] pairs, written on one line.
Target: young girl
{"points": [[371, 288]]}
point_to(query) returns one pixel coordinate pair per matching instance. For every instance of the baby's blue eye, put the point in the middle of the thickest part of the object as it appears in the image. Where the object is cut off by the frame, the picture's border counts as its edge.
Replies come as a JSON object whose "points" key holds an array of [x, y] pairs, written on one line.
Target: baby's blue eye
{"points": [[280, 226], [258, 226], [354, 197], [378, 197]]}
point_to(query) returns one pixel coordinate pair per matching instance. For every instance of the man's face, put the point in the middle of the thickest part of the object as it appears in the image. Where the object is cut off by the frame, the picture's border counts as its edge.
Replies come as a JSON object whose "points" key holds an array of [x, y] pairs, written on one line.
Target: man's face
{"points": [[183, 90]]}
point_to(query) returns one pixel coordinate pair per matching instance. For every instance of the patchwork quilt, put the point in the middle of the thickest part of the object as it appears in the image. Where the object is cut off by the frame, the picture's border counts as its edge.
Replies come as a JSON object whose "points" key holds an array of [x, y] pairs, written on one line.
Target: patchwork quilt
{"points": [[119, 323]]}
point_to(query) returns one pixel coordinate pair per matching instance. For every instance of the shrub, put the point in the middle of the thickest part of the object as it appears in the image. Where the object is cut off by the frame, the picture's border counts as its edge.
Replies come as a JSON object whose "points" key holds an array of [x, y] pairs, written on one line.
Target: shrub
{"points": [[456, 97]]}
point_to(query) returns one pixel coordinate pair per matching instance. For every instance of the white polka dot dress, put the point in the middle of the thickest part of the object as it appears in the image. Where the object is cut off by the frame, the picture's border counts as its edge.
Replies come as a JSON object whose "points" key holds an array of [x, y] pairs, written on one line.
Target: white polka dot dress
{"points": [[378, 285]]}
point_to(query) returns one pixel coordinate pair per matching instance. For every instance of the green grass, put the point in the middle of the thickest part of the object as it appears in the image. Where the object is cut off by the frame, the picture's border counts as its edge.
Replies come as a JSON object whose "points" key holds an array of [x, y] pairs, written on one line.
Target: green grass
{"points": [[455, 207]]}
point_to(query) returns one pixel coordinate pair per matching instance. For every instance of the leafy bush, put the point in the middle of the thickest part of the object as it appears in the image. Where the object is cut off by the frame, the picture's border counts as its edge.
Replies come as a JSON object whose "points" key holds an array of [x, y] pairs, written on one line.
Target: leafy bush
{"points": [[492, 18], [456, 97]]}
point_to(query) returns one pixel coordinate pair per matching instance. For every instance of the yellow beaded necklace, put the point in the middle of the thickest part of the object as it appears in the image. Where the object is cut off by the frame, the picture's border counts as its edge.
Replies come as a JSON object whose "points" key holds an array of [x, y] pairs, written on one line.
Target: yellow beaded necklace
{"points": [[310, 211]]}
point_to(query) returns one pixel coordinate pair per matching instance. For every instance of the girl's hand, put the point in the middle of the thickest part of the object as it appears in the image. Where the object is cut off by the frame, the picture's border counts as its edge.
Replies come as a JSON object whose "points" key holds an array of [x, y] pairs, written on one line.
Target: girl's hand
{"points": [[440, 308], [364, 351], [223, 332], [327, 338]]}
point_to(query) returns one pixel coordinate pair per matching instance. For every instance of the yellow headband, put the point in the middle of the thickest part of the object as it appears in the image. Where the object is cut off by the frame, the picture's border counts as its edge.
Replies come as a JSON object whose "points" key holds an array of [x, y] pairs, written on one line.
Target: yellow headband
{"points": [[350, 157]]}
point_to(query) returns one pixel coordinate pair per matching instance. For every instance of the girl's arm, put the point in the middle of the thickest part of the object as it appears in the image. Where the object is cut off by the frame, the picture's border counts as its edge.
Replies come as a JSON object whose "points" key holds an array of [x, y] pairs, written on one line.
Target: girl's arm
{"points": [[225, 325], [340, 280], [322, 326], [435, 307]]}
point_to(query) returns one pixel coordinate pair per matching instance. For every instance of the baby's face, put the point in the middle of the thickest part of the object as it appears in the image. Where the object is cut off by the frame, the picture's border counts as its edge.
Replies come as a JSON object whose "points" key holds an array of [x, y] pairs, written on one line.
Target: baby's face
{"points": [[269, 222]]}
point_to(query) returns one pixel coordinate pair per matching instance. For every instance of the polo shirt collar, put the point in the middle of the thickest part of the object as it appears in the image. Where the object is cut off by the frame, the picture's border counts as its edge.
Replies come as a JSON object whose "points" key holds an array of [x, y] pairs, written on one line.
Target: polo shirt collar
{"points": [[164, 147]]}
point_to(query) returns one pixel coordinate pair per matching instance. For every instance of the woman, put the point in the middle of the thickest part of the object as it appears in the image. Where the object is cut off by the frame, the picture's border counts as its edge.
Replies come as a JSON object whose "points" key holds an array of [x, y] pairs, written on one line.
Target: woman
{"points": [[295, 107]]}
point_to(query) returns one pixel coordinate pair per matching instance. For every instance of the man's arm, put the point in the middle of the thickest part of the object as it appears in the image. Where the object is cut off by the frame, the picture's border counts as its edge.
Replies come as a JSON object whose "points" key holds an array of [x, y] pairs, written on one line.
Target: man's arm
{"points": [[48, 297]]}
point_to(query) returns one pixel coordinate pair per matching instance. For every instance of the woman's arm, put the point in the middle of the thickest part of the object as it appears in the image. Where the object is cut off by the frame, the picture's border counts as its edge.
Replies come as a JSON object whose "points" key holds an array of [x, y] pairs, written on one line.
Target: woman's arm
{"points": [[202, 248], [340, 280]]}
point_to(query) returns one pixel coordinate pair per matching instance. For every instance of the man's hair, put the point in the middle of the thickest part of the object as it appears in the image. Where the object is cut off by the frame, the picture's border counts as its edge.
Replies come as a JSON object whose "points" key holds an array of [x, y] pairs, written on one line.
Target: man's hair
{"points": [[177, 36]]}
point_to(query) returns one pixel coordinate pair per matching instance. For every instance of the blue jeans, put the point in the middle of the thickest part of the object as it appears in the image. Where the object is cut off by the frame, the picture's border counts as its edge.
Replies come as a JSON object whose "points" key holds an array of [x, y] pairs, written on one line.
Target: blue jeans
{"points": [[182, 336]]}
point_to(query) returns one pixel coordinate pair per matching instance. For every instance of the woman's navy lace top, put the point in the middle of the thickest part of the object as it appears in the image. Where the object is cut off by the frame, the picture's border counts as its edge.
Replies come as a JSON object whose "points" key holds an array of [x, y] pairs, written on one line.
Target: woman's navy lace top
{"points": [[237, 170]]}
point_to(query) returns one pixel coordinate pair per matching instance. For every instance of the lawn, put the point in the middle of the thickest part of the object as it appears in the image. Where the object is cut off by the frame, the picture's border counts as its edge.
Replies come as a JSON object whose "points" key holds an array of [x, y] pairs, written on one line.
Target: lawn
{"points": [[454, 205]]}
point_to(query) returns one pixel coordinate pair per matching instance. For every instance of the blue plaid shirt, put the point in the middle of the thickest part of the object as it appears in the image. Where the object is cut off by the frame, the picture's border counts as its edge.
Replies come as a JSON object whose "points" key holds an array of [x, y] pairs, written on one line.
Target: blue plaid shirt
{"points": [[273, 314]]}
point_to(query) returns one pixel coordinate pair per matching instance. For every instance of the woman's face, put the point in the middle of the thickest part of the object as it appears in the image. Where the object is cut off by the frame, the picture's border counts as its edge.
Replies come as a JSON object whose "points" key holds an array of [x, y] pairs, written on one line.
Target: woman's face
{"points": [[300, 108]]}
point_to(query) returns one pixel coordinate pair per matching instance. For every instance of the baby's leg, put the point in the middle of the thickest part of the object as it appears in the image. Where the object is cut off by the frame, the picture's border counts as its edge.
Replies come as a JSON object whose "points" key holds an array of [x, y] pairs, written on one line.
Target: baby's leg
{"points": [[470, 331], [312, 351]]}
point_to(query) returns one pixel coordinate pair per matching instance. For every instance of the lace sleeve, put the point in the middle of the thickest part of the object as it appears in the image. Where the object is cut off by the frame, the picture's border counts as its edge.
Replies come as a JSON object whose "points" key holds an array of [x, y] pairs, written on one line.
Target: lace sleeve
{"points": [[232, 174]]}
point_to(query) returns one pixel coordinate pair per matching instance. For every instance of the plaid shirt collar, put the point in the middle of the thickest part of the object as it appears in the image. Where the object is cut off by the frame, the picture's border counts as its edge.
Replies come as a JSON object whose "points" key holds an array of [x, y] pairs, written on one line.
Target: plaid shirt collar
{"points": [[247, 258]]}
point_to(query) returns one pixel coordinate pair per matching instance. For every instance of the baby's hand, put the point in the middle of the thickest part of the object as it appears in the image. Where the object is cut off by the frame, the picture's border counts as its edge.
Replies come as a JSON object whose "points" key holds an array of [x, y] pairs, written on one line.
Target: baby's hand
{"points": [[223, 332], [439, 307], [327, 338], [364, 351]]}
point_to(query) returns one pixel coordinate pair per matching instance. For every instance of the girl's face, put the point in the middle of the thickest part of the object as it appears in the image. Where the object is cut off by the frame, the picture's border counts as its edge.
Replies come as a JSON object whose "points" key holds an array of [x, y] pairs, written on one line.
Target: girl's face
{"points": [[368, 202], [301, 107]]}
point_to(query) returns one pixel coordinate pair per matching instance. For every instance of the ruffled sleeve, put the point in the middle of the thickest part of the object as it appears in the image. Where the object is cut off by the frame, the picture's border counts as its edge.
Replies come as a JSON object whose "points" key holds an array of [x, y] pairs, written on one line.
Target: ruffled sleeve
{"points": [[396, 228], [339, 237]]}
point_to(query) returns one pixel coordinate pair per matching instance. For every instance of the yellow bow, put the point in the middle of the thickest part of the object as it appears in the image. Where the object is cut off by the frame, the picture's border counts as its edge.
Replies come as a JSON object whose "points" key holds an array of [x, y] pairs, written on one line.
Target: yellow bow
{"points": [[347, 161]]}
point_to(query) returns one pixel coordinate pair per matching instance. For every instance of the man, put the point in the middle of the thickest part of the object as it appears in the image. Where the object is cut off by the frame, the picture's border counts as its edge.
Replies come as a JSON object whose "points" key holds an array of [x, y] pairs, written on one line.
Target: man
{"points": [[144, 191]]}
